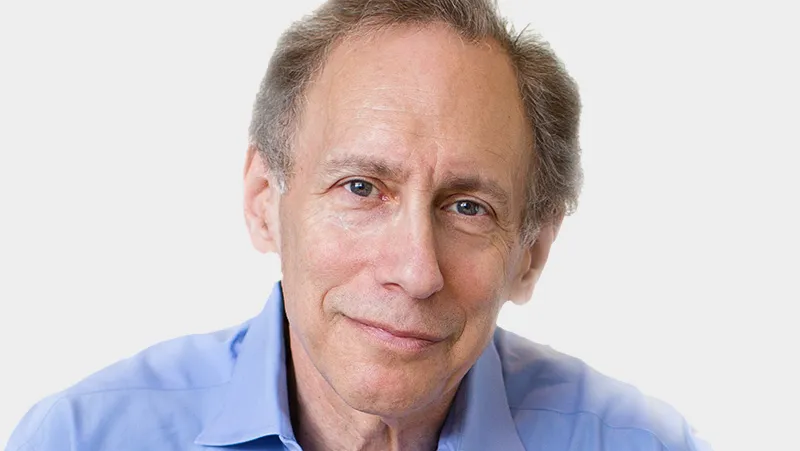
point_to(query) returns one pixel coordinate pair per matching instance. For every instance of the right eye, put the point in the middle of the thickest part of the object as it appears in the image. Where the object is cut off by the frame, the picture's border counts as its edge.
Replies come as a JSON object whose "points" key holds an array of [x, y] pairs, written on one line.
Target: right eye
{"points": [[360, 187]]}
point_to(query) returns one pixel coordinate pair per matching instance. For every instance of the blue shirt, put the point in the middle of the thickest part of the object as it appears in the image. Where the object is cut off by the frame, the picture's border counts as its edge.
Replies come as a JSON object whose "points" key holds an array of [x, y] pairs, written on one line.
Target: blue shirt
{"points": [[228, 390]]}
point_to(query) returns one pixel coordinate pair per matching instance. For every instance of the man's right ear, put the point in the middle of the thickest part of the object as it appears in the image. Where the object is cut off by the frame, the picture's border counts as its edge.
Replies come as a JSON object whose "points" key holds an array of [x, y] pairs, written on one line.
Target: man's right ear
{"points": [[261, 201]]}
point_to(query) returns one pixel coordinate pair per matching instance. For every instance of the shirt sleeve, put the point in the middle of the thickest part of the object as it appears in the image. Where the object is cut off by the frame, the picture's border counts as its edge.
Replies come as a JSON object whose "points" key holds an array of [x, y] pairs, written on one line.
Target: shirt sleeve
{"points": [[46, 427]]}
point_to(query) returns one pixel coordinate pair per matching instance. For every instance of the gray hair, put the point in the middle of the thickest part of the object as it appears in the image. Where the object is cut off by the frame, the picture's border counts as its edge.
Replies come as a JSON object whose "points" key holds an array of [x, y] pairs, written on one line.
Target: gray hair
{"points": [[550, 96]]}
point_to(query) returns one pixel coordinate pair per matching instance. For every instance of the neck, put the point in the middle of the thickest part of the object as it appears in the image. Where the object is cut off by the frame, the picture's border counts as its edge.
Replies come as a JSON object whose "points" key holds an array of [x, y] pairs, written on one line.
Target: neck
{"points": [[323, 421]]}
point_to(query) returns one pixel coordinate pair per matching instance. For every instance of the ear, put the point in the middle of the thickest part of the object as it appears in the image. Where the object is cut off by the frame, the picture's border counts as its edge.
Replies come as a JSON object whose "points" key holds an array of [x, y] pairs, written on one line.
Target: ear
{"points": [[532, 263], [261, 201]]}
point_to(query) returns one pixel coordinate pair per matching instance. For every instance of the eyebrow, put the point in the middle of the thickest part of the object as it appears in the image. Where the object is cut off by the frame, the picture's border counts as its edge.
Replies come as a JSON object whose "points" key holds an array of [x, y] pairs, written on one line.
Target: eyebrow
{"points": [[360, 164], [477, 184]]}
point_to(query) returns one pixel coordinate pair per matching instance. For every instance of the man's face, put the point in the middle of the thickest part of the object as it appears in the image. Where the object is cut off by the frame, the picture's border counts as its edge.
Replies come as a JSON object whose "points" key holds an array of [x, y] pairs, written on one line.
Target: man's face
{"points": [[399, 234]]}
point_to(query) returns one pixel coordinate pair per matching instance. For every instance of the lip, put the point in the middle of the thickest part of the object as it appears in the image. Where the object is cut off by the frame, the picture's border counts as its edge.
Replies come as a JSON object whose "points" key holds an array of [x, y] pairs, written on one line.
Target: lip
{"points": [[406, 340]]}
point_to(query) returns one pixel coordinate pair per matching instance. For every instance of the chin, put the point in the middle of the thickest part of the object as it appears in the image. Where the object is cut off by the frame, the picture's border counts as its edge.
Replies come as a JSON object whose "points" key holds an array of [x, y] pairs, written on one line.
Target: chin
{"points": [[386, 392]]}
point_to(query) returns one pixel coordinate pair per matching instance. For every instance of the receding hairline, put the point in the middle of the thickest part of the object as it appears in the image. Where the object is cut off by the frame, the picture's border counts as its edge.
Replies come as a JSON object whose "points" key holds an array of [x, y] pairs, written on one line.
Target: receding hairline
{"points": [[367, 34]]}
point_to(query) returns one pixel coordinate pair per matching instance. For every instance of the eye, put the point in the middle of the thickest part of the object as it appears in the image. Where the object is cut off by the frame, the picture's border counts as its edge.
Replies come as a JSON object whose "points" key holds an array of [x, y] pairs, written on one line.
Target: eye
{"points": [[468, 208], [360, 187]]}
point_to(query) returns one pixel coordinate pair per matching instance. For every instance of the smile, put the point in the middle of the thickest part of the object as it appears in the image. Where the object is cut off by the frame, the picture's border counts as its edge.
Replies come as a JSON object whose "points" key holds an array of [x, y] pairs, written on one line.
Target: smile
{"points": [[401, 340]]}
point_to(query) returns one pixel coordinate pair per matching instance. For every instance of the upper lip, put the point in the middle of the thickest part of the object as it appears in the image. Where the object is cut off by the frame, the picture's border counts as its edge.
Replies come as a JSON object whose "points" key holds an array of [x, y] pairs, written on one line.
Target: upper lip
{"points": [[419, 335]]}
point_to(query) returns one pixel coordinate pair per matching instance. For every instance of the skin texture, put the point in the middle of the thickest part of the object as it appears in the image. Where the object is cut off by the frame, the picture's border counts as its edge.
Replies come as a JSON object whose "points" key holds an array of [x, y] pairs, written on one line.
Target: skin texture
{"points": [[399, 130]]}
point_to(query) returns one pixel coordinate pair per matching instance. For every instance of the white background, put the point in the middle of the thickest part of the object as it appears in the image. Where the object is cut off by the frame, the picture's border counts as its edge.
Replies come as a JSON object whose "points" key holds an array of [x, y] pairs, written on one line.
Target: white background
{"points": [[122, 139]]}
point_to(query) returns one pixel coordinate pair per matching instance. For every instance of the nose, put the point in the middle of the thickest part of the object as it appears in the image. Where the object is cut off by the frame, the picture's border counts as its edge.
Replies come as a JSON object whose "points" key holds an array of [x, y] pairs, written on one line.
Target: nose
{"points": [[409, 258]]}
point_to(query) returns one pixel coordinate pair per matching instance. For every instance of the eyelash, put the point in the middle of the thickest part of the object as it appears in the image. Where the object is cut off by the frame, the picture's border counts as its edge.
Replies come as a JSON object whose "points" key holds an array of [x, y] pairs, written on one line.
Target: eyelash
{"points": [[485, 210]]}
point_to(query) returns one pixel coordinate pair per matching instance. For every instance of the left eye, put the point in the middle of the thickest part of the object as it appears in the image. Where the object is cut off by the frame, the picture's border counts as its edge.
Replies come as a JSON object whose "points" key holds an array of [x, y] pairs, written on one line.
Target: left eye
{"points": [[468, 208]]}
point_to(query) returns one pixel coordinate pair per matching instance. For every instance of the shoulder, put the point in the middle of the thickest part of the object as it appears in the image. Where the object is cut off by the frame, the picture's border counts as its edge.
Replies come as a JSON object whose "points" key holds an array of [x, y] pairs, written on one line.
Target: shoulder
{"points": [[546, 388], [182, 373]]}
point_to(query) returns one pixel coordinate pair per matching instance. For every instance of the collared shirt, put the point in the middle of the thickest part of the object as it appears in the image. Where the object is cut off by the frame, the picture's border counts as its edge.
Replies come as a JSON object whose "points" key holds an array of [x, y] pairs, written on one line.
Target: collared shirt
{"points": [[228, 390]]}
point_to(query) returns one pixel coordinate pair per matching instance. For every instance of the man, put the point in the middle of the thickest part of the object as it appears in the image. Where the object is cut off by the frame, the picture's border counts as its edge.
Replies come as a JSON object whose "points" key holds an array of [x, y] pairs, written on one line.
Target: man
{"points": [[411, 163]]}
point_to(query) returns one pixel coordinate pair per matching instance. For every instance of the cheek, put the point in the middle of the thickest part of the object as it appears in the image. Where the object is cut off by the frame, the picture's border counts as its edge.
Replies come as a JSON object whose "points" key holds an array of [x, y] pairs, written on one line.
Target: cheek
{"points": [[336, 245], [324, 249], [475, 274], [475, 271]]}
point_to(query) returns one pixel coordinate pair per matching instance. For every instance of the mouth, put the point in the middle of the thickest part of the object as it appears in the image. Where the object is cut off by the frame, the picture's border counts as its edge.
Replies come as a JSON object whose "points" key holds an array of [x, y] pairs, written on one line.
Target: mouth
{"points": [[402, 340]]}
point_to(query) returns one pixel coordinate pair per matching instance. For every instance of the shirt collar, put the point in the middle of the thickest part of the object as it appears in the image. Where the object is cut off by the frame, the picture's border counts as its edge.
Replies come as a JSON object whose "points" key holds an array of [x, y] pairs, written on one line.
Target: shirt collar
{"points": [[480, 417], [257, 403]]}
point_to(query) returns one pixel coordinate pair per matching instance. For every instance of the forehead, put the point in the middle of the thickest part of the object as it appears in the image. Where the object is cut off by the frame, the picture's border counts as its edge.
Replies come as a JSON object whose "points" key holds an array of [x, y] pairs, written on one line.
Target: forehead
{"points": [[419, 95]]}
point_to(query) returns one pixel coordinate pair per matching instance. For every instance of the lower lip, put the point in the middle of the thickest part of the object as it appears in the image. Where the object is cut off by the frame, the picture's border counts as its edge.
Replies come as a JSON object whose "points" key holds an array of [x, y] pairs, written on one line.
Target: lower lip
{"points": [[406, 344]]}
